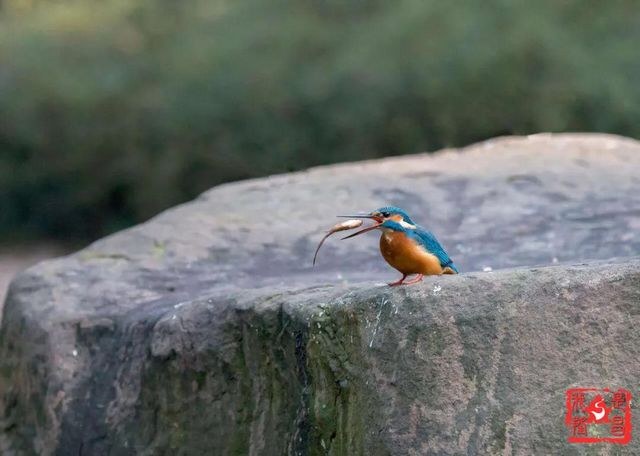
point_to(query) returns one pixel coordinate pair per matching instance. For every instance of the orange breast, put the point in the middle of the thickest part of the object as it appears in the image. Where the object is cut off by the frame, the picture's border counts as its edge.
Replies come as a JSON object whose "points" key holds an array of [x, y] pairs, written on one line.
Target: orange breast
{"points": [[407, 256]]}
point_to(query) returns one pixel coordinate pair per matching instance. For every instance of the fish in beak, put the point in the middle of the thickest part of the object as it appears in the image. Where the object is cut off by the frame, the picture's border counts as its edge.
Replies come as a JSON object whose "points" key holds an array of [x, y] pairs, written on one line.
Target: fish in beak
{"points": [[377, 219], [348, 225]]}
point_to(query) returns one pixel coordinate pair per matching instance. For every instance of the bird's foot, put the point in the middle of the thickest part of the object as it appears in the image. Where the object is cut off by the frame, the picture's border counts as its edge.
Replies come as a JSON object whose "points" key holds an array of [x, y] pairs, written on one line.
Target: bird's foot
{"points": [[399, 282], [417, 279]]}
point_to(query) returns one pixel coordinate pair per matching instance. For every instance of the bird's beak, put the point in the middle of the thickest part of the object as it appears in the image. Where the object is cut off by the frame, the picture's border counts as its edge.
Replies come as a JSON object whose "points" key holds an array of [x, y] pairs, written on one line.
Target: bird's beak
{"points": [[363, 216], [364, 230]]}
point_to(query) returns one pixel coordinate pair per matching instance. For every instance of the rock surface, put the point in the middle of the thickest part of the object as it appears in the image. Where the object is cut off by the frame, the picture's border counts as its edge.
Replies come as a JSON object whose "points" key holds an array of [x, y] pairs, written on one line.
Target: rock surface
{"points": [[17, 258], [206, 330]]}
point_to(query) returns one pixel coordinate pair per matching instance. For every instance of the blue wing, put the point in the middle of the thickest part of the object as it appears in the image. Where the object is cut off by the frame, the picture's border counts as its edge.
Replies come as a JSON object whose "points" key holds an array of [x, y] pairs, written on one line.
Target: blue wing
{"points": [[431, 244]]}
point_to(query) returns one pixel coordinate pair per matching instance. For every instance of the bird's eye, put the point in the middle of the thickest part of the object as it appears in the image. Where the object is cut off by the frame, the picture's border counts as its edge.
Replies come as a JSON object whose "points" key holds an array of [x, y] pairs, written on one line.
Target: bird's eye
{"points": [[385, 214]]}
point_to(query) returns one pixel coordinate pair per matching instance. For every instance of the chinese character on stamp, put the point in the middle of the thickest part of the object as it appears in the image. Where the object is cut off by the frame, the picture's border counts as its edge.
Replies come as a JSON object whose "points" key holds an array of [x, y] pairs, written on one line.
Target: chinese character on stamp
{"points": [[598, 415]]}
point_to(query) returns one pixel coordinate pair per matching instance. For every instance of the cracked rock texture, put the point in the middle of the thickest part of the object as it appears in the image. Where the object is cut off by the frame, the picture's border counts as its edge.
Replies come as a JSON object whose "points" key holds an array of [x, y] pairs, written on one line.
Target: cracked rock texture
{"points": [[207, 331]]}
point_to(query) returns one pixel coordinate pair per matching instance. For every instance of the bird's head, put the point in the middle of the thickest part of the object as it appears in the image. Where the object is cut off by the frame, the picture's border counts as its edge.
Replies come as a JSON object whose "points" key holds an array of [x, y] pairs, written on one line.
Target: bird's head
{"points": [[385, 218]]}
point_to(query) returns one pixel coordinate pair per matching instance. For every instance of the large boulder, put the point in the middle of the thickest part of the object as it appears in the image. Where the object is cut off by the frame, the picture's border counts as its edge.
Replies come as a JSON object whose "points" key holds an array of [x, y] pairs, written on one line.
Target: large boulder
{"points": [[207, 331]]}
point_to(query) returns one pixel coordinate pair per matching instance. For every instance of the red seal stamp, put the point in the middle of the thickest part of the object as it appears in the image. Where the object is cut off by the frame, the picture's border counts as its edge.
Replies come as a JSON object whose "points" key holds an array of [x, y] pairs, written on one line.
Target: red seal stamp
{"points": [[598, 415]]}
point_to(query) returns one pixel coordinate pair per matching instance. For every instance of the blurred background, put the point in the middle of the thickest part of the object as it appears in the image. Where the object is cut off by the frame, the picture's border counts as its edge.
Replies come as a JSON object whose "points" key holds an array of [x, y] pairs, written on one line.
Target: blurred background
{"points": [[112, 111]]}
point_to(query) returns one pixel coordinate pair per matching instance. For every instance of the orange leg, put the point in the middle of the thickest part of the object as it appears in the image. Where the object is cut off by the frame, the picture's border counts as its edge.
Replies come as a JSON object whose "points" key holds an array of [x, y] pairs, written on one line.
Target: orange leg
{"points": [[399, 282], [416, 280]]}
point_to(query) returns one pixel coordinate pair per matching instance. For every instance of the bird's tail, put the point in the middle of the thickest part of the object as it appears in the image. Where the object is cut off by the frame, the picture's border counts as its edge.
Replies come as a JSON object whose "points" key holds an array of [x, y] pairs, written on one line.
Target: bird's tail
{"points": [[450, 268]]}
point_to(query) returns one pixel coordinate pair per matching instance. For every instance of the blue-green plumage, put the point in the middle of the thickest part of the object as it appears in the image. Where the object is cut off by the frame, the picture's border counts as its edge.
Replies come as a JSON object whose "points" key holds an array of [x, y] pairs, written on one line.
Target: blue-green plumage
{"points": [[392, 210], [421, 236], [431, 244]]}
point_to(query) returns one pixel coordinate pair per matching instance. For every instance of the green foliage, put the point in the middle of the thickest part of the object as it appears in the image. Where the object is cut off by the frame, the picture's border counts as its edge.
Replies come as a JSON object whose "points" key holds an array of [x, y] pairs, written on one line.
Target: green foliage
{"points": [[111, 111]]}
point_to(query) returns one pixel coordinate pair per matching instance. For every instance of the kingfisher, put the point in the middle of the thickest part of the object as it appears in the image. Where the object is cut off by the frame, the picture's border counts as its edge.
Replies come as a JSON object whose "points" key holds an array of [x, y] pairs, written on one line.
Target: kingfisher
{"points": [[407, 246]]}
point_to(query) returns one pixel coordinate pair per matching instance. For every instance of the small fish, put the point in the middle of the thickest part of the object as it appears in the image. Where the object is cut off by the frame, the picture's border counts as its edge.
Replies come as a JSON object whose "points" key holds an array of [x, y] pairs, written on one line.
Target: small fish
{"points": [[347, 225]]}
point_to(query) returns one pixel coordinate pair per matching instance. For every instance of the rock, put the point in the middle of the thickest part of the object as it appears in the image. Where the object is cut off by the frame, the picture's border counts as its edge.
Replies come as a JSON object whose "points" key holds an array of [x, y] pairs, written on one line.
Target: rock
{"points": [[207, 331], [14, 259]]}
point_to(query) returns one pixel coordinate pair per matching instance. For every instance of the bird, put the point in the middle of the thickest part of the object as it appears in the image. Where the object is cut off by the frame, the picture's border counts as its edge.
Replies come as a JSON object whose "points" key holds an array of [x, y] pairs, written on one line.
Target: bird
{"points": [[406, 246]]}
